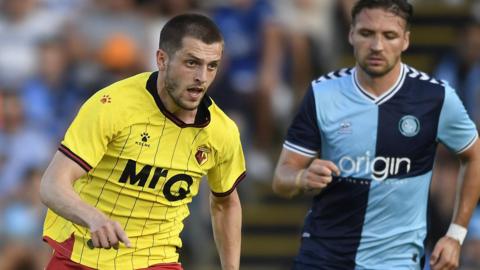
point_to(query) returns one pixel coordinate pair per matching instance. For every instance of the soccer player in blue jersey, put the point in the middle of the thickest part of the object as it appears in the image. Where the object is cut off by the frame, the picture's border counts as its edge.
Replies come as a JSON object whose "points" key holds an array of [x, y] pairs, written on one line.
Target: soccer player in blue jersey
{"points": [[364, 142]]}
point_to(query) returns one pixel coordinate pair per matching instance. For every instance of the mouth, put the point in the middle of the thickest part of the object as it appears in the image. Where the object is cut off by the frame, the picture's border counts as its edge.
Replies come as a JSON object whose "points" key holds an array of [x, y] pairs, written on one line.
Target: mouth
{"points": [[375, 60], [195, 91]]}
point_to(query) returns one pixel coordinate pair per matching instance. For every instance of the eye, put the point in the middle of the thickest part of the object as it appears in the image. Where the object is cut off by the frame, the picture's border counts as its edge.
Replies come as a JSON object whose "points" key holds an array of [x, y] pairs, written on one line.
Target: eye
{"points": [[391, 36], [191, 63], [212, 66], [365, 33]]}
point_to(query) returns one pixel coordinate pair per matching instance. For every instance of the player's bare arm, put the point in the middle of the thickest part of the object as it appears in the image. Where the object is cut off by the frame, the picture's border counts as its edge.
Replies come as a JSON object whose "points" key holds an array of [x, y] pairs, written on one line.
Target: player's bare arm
{"points": [[447, 251], [227, 225], [296, 173], [57, 193]]}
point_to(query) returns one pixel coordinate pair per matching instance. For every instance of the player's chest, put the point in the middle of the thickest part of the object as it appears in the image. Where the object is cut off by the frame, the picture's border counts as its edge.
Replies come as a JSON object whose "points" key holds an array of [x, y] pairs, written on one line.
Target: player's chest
{"points": [[163, 145], [370, 129]]}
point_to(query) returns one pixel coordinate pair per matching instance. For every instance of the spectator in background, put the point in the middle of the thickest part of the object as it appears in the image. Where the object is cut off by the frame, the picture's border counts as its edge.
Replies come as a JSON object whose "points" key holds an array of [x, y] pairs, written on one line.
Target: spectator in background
{"points": [[250, 75], [472, 244], [2, 128], [17, 255], [314, 34], [22, 25], [461, 68], [65, 8], [113, 38], [52, 94], [22, 146], [21, 247]]}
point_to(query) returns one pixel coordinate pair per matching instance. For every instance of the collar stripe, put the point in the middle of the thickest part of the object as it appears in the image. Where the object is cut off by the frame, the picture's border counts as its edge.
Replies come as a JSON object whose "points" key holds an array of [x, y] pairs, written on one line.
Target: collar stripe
{"points": [[387, 95]]}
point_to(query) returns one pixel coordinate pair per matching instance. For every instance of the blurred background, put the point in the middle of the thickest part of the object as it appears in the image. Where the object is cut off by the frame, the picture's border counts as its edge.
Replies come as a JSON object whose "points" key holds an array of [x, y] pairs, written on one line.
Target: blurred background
{"points": [[54, 54]]}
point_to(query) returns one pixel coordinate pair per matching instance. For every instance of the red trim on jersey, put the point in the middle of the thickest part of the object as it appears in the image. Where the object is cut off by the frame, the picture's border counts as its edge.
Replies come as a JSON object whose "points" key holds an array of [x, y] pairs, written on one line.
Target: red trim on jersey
{"points": [[223, 194], [67, 152]]}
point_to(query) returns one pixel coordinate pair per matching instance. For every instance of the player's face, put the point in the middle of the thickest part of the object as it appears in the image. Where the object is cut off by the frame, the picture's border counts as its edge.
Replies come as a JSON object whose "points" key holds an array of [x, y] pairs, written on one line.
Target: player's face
{"points": [[190, 71], [378, 38]]}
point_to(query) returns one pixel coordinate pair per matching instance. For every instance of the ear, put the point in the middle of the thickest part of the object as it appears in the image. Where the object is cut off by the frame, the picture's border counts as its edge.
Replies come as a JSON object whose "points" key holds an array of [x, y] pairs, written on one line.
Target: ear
{"points": [[350, 35], [406, 41], [162, 60]]}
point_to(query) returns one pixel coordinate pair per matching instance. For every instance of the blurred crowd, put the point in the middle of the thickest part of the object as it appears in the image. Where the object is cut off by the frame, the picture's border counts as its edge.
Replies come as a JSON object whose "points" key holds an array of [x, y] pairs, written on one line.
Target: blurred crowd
{"points": [[54, 54]]}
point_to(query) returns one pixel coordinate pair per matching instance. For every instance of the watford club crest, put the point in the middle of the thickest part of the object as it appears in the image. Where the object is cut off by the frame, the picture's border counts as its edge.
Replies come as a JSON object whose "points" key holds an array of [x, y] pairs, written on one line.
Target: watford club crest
{"points": [[202, 154]]}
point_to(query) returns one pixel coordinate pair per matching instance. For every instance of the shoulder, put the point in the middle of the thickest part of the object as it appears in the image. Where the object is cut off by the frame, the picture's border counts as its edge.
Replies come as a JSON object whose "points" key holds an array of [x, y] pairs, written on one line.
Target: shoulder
{"points": [[125, 93], [423, 86], [332, 84], [332, 79], [127, 88], [423, 79], [121, 100], [220, 122]]}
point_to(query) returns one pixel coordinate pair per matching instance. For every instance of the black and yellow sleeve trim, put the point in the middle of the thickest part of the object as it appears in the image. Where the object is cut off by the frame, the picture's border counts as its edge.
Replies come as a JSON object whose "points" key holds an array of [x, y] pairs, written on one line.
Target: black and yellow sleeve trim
{"points": [[223, 194], [82, 163]]}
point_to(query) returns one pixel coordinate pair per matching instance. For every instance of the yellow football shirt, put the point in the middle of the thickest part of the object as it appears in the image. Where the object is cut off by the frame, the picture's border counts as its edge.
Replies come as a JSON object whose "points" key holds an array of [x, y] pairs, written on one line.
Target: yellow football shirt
{"points": [[143, 167]]}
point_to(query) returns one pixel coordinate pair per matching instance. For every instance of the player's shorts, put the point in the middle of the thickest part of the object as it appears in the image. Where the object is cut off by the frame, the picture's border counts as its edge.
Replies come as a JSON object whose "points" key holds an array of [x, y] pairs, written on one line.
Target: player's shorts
{"points": [[322, 254], [60, 261], [316, 254]]}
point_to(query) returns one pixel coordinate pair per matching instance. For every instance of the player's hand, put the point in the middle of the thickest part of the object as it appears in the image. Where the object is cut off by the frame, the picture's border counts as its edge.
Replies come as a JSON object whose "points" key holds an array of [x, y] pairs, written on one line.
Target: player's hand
{"points": [[106, 233], [318, 175], [446, 254]]}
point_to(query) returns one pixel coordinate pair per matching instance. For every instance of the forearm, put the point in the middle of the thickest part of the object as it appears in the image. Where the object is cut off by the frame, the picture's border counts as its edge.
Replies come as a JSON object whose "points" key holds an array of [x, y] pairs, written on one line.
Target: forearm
{"points": [[57, 193], [284, 181], [469, 193], [227, 226], [65, 202]]}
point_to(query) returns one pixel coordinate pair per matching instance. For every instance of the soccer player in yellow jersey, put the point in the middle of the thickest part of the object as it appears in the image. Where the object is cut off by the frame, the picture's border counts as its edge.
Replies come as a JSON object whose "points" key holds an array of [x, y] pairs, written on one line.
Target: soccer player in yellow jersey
{"points": [[119, 185]]}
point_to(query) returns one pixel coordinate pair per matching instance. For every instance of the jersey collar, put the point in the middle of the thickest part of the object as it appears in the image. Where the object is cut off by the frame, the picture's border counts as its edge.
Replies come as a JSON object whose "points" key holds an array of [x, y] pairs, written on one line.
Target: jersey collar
{"points": [[202, 119], [385, 96]]}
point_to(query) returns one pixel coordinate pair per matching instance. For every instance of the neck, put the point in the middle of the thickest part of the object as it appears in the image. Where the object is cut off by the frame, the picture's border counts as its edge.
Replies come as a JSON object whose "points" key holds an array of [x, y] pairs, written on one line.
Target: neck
{"points": [[378, 85], [186, 116]]}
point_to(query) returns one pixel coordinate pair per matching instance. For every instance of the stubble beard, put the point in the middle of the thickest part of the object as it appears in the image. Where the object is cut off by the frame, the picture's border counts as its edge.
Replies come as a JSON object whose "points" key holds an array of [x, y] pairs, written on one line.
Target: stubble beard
{"points": [[377, 73], [172, 88]]}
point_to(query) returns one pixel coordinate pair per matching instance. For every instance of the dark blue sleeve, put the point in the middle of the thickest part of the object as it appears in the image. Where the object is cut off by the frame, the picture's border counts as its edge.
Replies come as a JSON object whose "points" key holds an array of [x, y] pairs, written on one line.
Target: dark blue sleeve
{"points": [[303, 135]]}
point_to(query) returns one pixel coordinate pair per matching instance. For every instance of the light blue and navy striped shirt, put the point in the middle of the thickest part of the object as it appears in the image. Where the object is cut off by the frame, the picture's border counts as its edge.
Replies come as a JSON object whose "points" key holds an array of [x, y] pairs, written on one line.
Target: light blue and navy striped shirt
{"points": [[373, 216]]}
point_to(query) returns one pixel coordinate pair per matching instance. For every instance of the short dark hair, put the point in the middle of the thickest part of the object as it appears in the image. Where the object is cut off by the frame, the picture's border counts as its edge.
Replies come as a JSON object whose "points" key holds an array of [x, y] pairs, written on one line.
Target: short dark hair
{"points": [[188, 25], [400, 8]]}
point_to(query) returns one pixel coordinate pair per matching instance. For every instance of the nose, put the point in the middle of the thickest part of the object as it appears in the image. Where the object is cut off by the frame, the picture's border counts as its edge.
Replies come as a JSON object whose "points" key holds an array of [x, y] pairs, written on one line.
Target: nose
{"points": [[201, 75], [377, 44]]}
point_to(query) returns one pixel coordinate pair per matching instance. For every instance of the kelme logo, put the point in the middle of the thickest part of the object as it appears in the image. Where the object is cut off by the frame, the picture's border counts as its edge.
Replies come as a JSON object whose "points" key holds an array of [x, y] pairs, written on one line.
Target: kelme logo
{"points": [[409, 126], [143, 140]]}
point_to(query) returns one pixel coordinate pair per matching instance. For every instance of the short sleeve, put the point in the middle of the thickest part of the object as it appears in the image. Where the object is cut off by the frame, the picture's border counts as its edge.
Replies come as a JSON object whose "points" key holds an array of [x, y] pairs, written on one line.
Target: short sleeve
{"points": [[303, 135], [456, 130], [230, 167], [86, 139]]}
